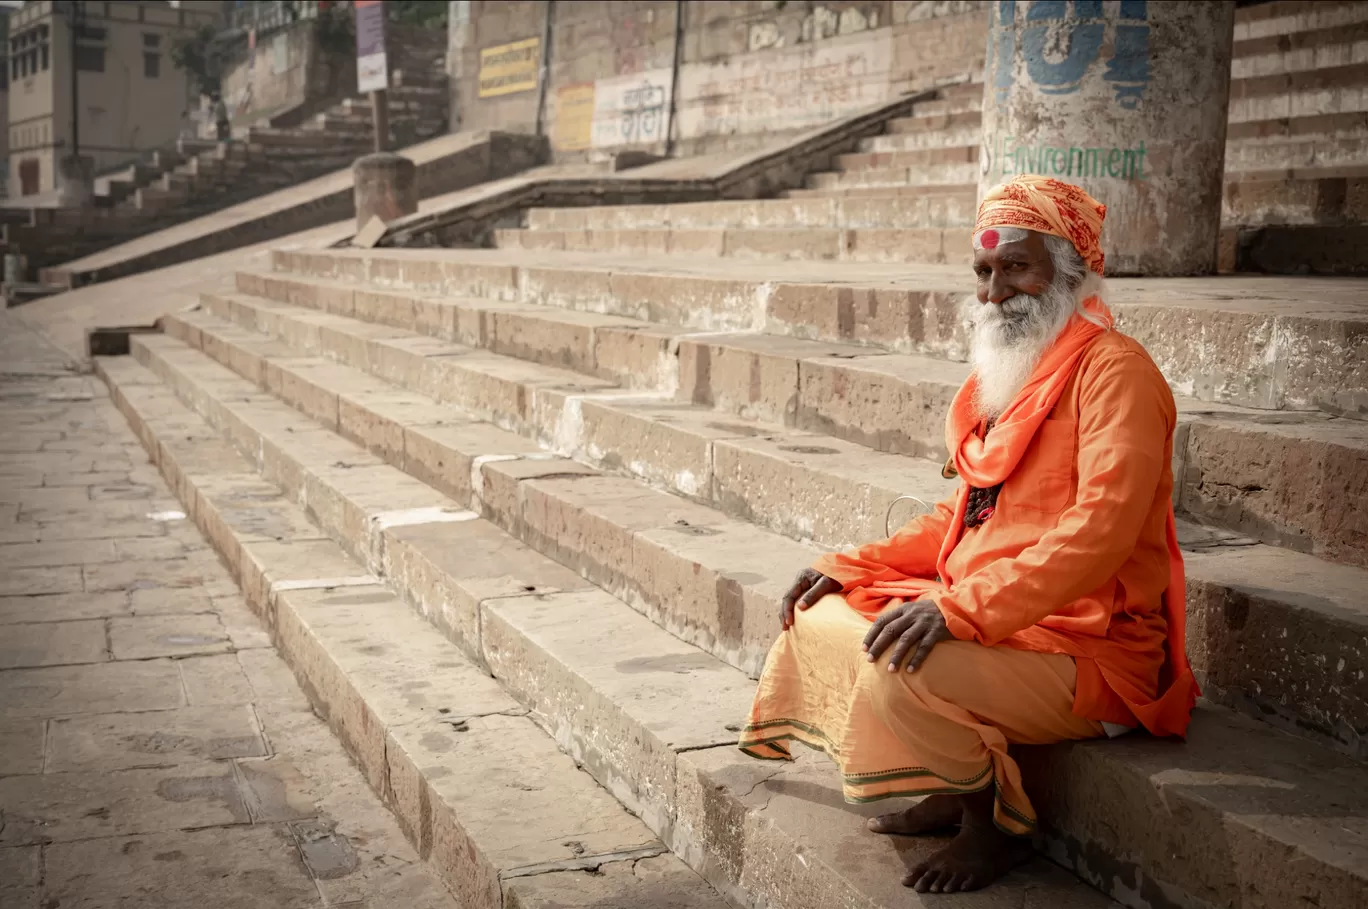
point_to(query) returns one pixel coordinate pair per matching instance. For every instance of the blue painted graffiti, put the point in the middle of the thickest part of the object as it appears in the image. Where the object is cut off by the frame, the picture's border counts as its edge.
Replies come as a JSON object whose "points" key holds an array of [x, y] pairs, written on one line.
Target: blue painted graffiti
{"points": [[1003, 49], [1052, 31]]}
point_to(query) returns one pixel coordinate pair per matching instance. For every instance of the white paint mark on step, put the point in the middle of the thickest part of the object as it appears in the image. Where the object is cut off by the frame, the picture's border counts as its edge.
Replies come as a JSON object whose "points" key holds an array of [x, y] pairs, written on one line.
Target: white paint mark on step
{"points": [[477, 464], [410, 516], [167, 515]]}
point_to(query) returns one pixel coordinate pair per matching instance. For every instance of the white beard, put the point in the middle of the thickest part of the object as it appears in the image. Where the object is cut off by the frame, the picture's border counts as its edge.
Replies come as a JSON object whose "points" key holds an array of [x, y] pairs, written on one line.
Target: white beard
{"points": [[1009, 339]]}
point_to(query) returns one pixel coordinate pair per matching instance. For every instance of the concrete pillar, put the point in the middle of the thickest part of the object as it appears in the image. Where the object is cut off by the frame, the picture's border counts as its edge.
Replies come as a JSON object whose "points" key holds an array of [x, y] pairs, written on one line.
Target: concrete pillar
{"points": [[386, 187], [1127, 99]]}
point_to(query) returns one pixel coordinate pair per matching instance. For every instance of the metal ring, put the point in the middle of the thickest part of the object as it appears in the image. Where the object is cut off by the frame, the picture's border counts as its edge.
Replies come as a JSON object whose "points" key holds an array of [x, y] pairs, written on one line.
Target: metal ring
{"points": [[888, 531]]}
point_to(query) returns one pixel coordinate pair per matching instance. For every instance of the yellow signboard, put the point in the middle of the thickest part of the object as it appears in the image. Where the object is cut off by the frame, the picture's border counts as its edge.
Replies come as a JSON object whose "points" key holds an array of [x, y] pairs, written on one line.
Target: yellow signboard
{"points": [[573, 127], [509, 68]]}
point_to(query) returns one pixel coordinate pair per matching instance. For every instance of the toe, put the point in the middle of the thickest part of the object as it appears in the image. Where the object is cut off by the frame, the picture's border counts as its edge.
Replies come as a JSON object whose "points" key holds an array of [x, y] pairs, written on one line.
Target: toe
{"points": [[954, 884]]}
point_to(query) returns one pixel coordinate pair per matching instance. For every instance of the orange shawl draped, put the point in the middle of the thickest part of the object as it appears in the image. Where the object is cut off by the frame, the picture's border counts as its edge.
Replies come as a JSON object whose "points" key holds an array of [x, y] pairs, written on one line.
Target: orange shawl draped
{"points": [[986, 462]]}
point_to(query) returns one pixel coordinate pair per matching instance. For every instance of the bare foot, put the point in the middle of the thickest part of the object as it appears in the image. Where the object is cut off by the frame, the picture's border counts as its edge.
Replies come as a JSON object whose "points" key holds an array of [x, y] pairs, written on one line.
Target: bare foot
{"points": [[975, 858], [931, 814]]}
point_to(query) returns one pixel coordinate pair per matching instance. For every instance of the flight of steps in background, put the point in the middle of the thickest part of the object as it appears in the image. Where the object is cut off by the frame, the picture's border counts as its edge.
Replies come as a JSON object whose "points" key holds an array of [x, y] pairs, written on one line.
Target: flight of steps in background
{"points": [[1296, 180], [199, 176]]}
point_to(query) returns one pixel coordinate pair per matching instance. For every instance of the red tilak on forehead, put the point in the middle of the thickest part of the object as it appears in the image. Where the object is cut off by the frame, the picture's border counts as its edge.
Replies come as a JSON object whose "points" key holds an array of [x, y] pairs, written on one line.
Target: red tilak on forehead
{"points": [[988, 239]]}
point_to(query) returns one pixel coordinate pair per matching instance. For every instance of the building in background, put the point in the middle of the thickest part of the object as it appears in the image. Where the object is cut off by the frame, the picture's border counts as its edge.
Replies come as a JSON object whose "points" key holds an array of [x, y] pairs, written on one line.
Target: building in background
{"points": [[129, 94], [5, 10]]}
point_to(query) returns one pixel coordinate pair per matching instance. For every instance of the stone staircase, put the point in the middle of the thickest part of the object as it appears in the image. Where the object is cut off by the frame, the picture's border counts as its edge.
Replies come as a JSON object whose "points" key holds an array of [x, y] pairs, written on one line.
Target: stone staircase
{"points": [[199, 176], [520, 519], [592, 477], [1296, 186]]}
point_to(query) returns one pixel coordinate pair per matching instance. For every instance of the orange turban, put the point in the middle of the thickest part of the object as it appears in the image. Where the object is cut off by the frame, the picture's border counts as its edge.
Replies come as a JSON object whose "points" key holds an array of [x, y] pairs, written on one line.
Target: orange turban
{"points": [[1048, 206]]}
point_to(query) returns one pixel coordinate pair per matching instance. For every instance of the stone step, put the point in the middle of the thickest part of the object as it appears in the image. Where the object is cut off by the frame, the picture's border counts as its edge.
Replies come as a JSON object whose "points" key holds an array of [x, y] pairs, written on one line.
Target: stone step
{"points": [[929, 110], [1243, 157], [1333, 90], [1294, 249], [952, 207], [1329, 200], [935, 122], [1352, 124], [913, 158], [1111, 840], [403, 699], [909, 244], [1342, 45], [938, 173], [641, 728], [915, 308], [1288, 17], [805, 485], [881, 192], [910, 141]]}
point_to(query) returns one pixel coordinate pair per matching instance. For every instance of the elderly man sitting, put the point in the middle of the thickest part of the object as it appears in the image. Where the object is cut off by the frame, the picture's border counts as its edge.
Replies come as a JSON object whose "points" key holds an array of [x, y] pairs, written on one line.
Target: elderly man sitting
{"points": [[1042, 602]]}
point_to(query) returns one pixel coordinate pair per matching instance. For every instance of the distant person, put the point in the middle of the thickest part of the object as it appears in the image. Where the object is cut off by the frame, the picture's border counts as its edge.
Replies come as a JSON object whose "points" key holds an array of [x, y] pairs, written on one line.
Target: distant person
{"points": [[225, 130]]}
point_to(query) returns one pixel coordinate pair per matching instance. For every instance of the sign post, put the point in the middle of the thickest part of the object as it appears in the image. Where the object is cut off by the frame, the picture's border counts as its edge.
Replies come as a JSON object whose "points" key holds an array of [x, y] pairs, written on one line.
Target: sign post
{"points": [[372, 68]]}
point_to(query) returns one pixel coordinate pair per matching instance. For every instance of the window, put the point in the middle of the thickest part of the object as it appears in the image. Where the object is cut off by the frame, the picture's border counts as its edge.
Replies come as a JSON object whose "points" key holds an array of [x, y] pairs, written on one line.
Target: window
{"points": [[91, 33], [151, 42], [43, 58], [90, 59], [151, 66]]}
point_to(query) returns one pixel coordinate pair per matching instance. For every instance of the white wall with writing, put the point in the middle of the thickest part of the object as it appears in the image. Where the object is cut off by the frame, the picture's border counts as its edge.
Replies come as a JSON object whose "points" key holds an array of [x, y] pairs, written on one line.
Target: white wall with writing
{"points": [[785, 88], [632, 109]]}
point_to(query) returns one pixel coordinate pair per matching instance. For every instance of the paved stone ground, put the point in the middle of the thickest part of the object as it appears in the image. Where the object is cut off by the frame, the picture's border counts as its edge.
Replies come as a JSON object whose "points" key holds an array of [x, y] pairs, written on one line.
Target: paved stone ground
{"points": [[154, 749]]}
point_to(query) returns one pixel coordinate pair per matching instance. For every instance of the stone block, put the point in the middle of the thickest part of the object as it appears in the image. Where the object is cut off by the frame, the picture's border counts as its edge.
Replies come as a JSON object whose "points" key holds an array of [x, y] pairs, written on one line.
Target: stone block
{"points": [[22, 749], [53, 644], [779, 243], [175, 636], [885, 403], [447, 570], [813, 487], [636, 356], [64, 807], [603, 676], [192, 863], [127, 740]]}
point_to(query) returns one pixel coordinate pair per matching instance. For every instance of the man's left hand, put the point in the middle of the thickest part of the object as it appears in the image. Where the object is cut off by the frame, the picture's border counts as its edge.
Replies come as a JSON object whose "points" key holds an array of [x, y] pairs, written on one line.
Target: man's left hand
{"points": [[913, 628]]}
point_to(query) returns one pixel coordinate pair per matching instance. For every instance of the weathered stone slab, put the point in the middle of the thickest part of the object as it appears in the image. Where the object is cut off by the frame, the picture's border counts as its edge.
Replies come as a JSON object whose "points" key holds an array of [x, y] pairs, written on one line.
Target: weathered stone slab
{"points": [[21, 875], [143, 637], [53, 644], [619, 693], [216, 680], [120, 741], [21, 747], [186, 868], [92, 688], [61, 807]]}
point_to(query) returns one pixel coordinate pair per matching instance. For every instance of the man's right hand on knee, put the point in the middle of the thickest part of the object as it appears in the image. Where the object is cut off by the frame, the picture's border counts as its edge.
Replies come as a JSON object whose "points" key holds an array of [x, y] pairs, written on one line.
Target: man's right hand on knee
{"points": [[809, 587]]}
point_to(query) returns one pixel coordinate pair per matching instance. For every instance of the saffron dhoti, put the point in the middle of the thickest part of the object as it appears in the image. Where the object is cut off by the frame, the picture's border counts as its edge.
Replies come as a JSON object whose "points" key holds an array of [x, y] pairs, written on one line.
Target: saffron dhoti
{"points": [[942, 729]]}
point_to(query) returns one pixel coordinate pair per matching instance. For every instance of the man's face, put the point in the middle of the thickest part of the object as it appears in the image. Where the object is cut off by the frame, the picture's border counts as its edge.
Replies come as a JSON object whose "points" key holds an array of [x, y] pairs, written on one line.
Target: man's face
{"points": [[1011, 261]]}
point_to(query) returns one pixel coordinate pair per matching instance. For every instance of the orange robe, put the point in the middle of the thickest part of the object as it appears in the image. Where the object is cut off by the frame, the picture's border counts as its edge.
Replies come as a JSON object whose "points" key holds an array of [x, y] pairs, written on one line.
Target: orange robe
{"points": [[1079, 555], [1078, 563]]}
